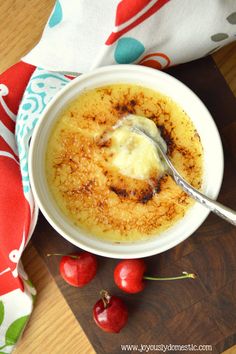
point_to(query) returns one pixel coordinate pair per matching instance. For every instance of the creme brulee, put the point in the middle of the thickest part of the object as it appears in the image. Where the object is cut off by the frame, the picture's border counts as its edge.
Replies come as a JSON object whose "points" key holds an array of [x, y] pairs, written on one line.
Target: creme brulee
{"points": [[112, 184]]}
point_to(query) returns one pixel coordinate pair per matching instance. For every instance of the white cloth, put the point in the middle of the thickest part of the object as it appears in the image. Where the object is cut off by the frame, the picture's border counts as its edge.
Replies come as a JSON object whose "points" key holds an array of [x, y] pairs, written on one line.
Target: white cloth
{"points": [[178, 31]]}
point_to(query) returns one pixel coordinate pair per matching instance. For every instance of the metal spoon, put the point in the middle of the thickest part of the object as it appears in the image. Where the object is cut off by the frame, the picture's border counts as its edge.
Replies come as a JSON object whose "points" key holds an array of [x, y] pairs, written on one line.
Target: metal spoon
{"points": [[217, 208]]}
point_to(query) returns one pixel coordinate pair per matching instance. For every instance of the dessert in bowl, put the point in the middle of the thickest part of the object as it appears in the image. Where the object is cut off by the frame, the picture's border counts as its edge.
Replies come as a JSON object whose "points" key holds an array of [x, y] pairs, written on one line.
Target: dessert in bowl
{"points": [[110, 181], [103, 187]]}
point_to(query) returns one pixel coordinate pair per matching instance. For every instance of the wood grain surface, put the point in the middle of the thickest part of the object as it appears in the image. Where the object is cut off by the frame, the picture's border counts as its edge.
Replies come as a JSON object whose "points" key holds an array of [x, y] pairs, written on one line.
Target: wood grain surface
{"points": [[52, 327]]}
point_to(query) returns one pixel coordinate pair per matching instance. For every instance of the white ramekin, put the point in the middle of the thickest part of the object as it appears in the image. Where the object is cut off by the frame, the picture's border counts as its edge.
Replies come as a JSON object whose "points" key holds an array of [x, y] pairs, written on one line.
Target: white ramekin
{"points": [[202, 120]]}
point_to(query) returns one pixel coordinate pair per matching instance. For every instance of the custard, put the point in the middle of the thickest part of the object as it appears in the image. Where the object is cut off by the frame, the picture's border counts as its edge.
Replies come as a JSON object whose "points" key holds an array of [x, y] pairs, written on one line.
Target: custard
{"points": [[90, 178], [133, 154]]}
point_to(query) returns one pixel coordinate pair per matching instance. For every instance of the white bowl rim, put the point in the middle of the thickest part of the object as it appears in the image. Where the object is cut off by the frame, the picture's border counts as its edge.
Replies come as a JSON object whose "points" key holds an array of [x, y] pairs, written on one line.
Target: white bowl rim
{"points": [[152, 241]]}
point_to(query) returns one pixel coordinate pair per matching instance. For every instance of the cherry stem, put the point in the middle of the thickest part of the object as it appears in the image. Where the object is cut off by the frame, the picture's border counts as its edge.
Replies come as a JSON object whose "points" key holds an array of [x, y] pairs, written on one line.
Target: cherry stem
{"points": [[61, 255], [184, 276], [105, 297]]}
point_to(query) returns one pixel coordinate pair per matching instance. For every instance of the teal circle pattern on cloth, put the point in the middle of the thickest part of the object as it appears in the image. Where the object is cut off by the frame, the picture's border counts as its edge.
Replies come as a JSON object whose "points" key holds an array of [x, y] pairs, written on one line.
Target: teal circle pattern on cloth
{"points": [[57, 15], [128, 50]]}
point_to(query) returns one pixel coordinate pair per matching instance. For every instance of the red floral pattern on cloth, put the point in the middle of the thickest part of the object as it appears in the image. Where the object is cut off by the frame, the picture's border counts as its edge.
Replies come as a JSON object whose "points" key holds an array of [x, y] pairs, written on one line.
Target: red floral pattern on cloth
{"points": [[139, 12], [157, 61], [15, 215]]}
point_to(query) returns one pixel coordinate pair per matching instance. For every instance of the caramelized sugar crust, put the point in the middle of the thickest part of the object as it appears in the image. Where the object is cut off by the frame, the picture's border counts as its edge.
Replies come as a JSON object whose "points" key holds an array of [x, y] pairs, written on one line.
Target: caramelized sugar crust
{"points": [[92, 192]]}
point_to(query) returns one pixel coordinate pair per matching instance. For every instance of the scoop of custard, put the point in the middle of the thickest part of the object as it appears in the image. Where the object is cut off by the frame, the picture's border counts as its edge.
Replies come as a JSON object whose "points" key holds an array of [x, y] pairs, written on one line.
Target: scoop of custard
{"points": [[134, 155]]}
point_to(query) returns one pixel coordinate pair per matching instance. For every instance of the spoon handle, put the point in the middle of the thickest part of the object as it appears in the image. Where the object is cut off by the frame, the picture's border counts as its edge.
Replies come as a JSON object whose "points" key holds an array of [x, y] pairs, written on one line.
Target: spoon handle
{"points": [[216, 207]]}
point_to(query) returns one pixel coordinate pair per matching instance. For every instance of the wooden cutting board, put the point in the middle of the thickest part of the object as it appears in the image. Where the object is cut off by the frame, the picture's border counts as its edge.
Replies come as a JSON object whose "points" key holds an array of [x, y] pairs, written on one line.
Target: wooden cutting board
{"points": [[201, 311]]}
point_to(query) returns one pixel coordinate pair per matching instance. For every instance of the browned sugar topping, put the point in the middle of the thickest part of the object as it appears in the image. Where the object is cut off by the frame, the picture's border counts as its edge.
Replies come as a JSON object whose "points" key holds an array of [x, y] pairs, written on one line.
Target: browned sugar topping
{"points": [[92, 192]]}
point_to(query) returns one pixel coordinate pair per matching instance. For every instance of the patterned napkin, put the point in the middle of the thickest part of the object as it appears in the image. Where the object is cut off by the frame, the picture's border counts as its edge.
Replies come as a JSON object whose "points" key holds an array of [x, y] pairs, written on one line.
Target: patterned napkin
{"points": [[79, 36]]}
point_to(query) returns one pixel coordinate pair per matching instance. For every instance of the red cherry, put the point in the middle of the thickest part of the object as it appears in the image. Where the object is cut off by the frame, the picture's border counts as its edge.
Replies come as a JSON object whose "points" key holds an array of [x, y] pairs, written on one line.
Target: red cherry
{"points": [[128, 275], [78, 269], [110, 313]]}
